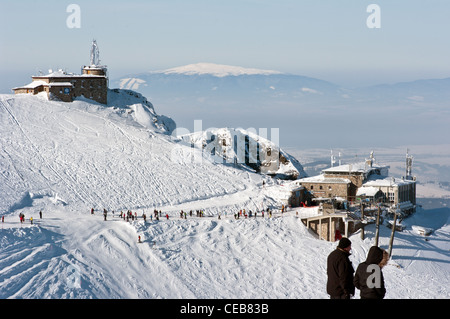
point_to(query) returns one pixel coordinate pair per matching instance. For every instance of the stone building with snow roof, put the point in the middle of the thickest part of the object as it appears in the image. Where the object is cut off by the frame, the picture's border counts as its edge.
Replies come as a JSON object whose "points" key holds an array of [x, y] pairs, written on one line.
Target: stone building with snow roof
{"points": [[91, 84], [364, 180]]}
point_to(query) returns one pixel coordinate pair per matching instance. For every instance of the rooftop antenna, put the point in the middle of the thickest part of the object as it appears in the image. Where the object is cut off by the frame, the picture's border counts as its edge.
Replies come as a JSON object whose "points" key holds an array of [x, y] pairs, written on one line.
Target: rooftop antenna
{"points": [[95, 53], [372, 158], [333, 159], [409, 160]]}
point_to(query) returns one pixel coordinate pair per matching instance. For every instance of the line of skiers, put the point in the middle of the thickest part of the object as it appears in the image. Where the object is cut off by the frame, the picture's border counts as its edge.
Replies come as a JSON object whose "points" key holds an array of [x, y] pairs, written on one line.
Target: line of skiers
{"points": [[183, 214]]}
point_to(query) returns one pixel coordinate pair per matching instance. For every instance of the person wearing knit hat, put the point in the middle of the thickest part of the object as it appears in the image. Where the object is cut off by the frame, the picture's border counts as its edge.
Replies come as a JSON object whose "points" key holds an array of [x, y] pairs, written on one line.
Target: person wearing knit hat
{"points": [[340, 271], [344, 243]]}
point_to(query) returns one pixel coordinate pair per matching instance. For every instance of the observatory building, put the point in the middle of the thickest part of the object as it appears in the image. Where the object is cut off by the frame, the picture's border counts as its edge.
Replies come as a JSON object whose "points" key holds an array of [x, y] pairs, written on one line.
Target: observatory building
{"points": [[59, 85]]}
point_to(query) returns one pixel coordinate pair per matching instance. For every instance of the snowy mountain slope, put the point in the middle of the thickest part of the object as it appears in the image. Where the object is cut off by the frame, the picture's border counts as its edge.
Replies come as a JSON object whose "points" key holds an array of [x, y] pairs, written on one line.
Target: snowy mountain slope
{"points": [[64, 158], [72, 254], [96, 156]]}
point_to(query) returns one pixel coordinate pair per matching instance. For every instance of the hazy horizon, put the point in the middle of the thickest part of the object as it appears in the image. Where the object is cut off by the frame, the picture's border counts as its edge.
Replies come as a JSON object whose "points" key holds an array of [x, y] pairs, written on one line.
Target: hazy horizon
{"points": [[328, 40]]}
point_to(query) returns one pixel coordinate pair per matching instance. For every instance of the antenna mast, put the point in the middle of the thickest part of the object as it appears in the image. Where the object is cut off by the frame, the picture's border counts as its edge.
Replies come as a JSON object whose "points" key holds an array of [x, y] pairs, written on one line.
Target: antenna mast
{"points": [[95, 53], [409, 160], [333, 159]]}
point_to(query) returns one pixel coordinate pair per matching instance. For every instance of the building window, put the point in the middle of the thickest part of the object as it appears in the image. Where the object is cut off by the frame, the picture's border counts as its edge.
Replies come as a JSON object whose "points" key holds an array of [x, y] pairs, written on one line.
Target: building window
{"points": [[312, 186], [391, 196], [320, 187]]}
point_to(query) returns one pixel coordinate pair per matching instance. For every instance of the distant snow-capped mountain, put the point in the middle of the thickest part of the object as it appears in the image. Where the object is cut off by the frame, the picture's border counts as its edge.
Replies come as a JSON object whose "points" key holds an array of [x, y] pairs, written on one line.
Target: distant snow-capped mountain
{"points": [[310, 112], [216, 80], [219, 70]]}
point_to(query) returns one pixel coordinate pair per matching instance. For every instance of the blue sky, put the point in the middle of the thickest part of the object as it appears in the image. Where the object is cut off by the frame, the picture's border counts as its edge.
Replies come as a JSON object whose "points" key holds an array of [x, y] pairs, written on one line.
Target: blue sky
{"points": [[327, 39]]}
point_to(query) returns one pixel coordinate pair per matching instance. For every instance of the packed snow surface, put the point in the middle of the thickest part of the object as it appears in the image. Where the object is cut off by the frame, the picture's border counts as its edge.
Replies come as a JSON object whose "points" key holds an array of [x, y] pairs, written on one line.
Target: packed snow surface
{"points": [[65, 158]]}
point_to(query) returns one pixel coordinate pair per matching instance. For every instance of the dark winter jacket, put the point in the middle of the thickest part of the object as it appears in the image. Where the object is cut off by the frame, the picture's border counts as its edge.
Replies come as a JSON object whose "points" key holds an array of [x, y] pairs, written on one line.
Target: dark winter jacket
{"points": [[373, 287], [340, 275]]}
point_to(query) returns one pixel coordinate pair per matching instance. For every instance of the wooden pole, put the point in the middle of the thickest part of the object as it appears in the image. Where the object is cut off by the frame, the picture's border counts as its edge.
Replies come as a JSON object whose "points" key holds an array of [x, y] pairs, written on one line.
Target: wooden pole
{"points": [[362, 218], [377, 233], [391, 241]]}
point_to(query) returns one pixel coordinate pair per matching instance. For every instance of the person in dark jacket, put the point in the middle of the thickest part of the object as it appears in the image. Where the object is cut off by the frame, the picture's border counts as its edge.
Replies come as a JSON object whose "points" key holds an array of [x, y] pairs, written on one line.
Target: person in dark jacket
{"points": [[369, 277], [340, 272]]}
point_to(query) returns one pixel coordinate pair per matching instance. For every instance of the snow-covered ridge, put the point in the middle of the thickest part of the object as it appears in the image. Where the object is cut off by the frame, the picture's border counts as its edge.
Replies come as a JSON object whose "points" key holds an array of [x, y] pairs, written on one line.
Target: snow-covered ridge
{"points": [[246, 147], [218, 70], [140, 109]]}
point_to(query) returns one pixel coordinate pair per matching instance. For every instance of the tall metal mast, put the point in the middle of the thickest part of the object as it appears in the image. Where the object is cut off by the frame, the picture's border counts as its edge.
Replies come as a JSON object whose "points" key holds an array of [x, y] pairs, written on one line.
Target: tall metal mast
{"points": [[409, 160], [95, 53]]}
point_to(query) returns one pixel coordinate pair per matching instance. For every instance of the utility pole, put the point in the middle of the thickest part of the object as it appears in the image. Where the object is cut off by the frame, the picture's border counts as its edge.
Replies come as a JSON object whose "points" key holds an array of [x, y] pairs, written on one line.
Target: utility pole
{"points": [[391, 241], [377, 233]]}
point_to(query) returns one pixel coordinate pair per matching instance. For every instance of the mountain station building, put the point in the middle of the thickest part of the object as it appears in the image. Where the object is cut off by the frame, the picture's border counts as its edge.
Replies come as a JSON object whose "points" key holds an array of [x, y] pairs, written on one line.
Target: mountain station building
{"points": [[59, 85]]}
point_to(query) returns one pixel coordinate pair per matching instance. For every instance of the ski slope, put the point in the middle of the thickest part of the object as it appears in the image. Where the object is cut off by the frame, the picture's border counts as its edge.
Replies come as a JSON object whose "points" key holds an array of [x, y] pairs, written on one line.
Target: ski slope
{"points": [[65, 158]]}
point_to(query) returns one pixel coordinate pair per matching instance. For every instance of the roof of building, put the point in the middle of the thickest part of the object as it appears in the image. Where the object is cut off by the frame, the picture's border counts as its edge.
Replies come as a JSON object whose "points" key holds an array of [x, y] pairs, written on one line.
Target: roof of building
{"points": [[361, 167], [63, 74], [31, 85], [387, 181], [322, 179], [367, 191], [38, 83]]}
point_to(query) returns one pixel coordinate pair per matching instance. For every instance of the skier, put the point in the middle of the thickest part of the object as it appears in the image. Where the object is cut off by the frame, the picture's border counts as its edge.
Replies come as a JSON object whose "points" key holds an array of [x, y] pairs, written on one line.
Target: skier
{"points": [[92, 211], [104, 214], [139, 239], [3, 219], [167, 216], [31, 220], [40, 214]]}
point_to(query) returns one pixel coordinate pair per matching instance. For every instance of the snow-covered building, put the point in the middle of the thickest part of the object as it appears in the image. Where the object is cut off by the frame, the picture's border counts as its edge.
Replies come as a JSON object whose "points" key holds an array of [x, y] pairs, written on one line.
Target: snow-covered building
{"points": [[363, 180], [60, 85]]}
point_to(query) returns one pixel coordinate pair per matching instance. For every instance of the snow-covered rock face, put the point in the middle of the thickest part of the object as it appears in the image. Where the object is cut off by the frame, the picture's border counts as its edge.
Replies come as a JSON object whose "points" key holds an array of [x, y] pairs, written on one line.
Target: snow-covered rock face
{"points": [[140, 109], [239, 146]]}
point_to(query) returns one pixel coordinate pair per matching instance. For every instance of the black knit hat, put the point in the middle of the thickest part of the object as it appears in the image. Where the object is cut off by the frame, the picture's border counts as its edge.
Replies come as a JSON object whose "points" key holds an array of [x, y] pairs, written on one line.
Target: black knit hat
{"points": [[344, 243]]}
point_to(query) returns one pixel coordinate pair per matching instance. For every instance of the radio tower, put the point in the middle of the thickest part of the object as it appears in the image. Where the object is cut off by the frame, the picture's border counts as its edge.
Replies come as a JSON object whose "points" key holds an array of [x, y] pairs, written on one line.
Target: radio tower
{"points": [[409, 160], [95, 54]]}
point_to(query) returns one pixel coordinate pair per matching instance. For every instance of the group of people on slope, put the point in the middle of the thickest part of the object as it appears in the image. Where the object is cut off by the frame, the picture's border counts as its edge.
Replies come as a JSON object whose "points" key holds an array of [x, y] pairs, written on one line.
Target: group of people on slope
{"points": [[368, 278]]}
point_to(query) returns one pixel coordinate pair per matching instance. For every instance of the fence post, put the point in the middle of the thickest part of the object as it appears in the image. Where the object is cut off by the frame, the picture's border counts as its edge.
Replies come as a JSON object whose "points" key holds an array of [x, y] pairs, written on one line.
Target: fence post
{"points": [[377, 233], [391, 241]]}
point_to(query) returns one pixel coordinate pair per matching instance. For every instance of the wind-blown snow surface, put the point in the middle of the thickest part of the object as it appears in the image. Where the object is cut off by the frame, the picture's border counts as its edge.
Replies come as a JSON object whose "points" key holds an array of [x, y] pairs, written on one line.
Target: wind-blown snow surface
{"points": [[64, 158]]}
